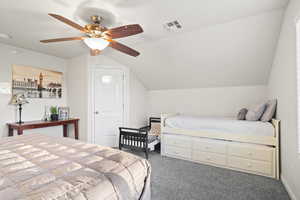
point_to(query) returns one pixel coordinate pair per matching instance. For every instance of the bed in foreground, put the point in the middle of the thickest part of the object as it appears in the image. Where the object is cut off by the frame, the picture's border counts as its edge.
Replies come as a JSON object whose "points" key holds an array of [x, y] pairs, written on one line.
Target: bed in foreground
{"points": [[38, 167]]}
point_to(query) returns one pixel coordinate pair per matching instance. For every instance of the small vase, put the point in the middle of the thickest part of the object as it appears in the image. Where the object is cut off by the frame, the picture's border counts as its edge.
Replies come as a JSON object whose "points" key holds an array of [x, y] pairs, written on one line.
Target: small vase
{"points": [[54, 117]]}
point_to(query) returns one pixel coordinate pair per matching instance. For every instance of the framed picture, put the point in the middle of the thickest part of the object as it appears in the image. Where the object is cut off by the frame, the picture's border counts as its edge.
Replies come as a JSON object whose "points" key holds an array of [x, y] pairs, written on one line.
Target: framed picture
{"points": [[64, 113], [36, 82]]}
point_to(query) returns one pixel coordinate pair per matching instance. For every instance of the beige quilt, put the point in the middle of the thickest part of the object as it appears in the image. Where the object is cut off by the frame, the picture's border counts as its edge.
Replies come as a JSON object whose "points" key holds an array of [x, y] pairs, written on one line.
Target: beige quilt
{"points": [[38, 167]]}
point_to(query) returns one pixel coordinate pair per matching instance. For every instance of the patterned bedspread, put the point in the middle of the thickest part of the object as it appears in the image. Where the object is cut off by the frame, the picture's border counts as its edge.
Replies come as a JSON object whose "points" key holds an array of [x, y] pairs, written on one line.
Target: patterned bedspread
{"points": [[38, 167]]}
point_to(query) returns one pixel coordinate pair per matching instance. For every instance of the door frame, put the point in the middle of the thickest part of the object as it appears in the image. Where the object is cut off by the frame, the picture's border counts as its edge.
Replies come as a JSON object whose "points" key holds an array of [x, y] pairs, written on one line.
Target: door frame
{"points": [[91, 103]]}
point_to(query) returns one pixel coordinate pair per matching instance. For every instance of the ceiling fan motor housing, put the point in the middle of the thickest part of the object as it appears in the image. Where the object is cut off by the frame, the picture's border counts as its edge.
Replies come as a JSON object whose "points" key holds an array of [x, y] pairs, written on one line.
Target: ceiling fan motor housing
{"points": [[95, 29], [96, 19]]}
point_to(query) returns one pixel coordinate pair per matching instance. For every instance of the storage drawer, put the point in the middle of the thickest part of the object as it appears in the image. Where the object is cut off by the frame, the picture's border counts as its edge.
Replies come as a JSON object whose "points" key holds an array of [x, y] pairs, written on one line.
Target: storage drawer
{"points": [[178, 152], [251, 152], [250, 165], [178, 141], [210, 146], [214, 158]]}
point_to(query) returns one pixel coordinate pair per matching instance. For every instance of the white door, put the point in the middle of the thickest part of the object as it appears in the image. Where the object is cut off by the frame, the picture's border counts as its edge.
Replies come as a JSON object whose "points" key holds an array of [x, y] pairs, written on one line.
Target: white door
{"points": [[109, 106]]}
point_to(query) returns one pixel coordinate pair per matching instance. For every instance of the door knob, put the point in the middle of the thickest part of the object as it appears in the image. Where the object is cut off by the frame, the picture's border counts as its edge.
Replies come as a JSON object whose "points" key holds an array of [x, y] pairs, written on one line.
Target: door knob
{"points": [[96, 112]]}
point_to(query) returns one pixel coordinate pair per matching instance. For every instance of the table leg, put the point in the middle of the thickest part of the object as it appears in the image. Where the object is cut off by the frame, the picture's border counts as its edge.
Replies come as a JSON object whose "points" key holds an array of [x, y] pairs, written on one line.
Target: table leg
{"points": [[20, 131], [76, 130], [10, 132], [65, 127]]}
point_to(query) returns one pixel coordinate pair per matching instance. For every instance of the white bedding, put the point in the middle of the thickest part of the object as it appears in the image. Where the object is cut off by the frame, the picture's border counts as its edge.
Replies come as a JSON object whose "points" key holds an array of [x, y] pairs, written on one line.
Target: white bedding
{"points": [[223, 125]]}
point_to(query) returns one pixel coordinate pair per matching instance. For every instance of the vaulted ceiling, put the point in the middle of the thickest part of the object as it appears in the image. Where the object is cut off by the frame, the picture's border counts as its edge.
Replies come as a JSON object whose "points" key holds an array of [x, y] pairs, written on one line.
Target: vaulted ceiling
{"points": [[222, 43]]}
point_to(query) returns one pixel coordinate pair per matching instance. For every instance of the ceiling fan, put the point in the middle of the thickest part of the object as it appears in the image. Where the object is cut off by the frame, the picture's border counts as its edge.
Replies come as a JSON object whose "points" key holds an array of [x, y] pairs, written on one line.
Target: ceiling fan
{"points": [[98, 37]]}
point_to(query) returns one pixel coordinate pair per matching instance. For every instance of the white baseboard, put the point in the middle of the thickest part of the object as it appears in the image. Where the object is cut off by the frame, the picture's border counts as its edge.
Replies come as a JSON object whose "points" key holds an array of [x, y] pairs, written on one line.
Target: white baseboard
{"points": [[288, 188]]}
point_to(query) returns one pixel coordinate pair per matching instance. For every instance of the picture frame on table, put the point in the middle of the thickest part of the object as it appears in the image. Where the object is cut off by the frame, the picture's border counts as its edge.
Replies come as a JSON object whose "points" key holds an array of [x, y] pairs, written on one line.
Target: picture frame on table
{"points": [[64, 113]]}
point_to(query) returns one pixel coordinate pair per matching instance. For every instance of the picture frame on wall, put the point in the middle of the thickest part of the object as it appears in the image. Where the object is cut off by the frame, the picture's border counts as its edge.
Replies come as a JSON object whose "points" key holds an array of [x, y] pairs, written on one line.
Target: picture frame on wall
{"points": [[64, 113], [37, 82]]}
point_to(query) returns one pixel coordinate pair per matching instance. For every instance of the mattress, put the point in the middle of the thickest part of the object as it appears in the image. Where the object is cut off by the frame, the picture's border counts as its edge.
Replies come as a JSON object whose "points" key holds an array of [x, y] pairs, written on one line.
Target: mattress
{"points": [[221, 125], [38, 167]]}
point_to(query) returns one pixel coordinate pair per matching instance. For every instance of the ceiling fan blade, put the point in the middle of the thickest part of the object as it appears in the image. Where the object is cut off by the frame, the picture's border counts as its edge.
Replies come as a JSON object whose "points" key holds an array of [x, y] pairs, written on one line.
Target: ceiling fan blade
{"points": [[67, 21], [62, 39], [95, 52], [124, 31], [125, 49]]}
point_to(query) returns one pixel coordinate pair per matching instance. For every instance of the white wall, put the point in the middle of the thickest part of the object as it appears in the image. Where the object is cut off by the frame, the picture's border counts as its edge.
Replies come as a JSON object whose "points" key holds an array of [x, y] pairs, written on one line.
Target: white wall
{"points": [[139, 103], [34, 110], [222, 101], [77, 92], [282, 85]]}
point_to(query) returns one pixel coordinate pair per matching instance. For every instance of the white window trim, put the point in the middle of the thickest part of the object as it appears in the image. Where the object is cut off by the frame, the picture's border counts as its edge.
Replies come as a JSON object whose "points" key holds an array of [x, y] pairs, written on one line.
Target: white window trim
{"points": [[298, 79]]}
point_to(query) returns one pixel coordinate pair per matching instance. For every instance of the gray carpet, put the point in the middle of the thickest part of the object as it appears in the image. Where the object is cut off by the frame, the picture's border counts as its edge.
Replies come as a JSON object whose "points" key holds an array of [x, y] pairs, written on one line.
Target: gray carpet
{"points": [[174, 179]]}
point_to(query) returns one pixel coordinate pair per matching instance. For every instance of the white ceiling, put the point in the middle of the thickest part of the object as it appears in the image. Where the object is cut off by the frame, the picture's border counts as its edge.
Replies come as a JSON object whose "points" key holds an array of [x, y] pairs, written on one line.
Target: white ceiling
{"points": [[222, 43]]}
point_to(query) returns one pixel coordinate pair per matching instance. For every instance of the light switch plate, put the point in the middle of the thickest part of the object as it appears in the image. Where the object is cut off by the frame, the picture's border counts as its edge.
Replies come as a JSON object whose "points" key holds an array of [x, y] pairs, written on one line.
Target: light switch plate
{"points": [[5, 88]]}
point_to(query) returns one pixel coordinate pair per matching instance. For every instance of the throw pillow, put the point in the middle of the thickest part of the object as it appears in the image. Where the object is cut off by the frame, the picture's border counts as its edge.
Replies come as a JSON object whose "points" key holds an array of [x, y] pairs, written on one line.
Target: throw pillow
{"points": [[256, 113], [242, 114], [270, 111]]}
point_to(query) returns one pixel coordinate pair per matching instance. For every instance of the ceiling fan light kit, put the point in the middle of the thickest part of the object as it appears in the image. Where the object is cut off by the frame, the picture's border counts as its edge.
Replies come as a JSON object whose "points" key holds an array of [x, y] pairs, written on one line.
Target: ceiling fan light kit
{"points": [[98, 37], [96, 43]]}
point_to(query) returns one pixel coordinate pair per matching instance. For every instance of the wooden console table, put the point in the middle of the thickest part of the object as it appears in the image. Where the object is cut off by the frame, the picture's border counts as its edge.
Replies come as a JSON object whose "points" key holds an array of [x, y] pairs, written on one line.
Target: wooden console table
{"points": [[43, 124]]}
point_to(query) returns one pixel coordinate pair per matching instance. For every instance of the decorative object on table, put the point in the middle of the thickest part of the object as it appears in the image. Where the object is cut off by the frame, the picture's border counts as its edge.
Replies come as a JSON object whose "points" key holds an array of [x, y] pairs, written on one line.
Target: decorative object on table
{"points": [[19, 100], [36, 82], [47, 114], [64, 113], [54, 113]]}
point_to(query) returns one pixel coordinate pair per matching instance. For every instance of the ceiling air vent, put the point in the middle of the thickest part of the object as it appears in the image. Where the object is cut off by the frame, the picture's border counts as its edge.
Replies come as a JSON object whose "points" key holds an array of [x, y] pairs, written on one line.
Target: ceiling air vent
{"points": [[174, 25]]}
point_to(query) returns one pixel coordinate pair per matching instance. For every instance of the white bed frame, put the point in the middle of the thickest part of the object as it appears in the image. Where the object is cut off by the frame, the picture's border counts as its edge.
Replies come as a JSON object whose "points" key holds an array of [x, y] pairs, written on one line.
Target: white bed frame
{"points": [[253, 144]]}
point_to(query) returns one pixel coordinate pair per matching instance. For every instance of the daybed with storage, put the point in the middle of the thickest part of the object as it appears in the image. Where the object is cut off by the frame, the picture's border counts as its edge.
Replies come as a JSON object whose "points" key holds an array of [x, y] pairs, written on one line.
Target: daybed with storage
{"points": [[246, 146]]}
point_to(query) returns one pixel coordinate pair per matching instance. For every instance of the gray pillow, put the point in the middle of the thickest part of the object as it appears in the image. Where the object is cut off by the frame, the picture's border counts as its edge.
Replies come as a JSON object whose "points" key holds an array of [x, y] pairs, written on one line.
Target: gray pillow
{"points": [[256, 113], [242, 114], [270, 111]]}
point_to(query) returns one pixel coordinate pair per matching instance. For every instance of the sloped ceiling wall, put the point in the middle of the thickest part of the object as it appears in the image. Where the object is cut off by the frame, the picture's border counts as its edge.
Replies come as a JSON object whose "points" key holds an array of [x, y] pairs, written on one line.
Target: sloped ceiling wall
{"points": [[222, 43], [239, 52]]}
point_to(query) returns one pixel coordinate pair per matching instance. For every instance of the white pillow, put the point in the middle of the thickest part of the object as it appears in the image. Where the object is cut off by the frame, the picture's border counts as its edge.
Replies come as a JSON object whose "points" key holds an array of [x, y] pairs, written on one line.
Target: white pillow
{"points": [[255, 113]]}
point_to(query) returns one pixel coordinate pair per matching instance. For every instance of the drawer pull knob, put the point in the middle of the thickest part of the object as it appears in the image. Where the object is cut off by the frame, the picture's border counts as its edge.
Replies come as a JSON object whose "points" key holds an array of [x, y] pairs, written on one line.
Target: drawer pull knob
{"points": [[249, 153], [208, 158], [249, 165]]}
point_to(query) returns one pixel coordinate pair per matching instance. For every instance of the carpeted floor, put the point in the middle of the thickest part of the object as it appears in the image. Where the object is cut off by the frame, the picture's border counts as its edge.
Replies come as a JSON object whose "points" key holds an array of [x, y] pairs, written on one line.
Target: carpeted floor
{"points": [[174, 179]]}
